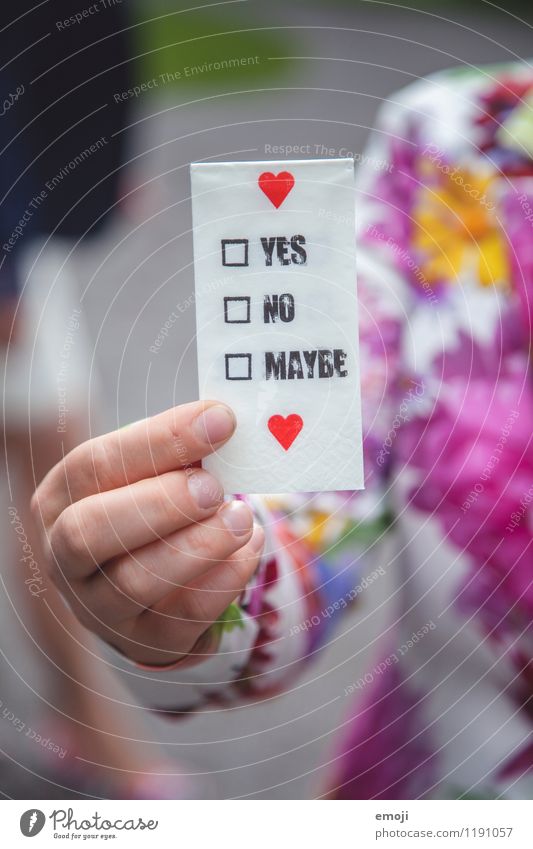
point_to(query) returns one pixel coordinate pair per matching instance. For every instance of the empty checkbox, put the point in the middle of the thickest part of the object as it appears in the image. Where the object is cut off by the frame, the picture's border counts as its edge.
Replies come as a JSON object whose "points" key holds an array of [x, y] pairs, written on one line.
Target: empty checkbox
{"points": [[238, 366], [237, 310], [235, 252]]}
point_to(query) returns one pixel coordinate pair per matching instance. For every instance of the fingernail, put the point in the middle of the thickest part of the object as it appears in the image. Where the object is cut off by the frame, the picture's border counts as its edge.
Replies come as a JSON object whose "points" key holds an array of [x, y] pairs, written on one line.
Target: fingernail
{"points": [[257, 540], [205, 489], [237, 517], [215, 424]]}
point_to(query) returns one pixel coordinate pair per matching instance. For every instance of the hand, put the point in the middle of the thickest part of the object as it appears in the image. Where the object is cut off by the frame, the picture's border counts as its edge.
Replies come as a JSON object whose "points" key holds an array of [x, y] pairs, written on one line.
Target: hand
{"points": [[139, 540]]}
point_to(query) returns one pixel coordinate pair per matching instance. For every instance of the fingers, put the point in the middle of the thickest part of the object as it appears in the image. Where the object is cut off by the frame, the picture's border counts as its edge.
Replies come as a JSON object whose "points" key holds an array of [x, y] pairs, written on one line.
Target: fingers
{"points": [[100, 527], [172, 440], [168, 631], [130, 584]]}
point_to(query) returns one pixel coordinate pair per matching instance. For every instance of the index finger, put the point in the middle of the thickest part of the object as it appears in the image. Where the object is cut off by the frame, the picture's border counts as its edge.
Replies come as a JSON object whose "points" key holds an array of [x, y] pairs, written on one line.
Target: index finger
{"points": [[175, 439]]}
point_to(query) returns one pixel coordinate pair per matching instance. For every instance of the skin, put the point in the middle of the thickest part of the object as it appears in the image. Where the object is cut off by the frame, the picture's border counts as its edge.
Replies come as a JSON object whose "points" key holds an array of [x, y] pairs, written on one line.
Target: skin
{"points": [[139, 541], [89, 714]]}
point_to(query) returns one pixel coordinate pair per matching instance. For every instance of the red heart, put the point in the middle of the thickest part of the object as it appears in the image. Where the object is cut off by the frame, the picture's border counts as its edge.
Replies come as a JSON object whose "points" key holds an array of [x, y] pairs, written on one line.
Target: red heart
{"points": [[285, 430], [276, 186]]}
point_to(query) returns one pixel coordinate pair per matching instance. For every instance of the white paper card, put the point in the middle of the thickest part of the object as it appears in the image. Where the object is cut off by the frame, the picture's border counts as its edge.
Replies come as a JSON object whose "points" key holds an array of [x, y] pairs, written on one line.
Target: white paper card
{"points": [[276, 312]]}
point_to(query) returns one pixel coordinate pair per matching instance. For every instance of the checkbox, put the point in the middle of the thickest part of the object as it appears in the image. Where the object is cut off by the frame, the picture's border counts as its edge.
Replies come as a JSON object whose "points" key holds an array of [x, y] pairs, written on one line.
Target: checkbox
{"points": [[238, 366], [237, 310], [235, 252]]}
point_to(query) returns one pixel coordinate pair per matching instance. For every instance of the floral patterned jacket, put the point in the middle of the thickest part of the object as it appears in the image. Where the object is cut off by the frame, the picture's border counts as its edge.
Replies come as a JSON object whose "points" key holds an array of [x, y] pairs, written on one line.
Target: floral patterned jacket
{"points": [[445, 257]]}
